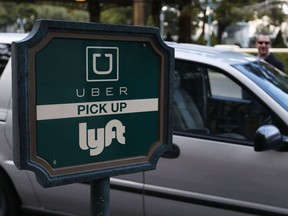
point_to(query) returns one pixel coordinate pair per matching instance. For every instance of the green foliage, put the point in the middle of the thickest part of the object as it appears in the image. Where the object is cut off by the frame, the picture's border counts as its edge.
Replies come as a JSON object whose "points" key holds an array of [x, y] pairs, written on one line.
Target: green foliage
{"points": [[213, 39], [230, 12], [150, 21], [225, 12], [186, 10], [116, 15], [276, 15], [201, 40], [3, 16], [284, 58], [79, 15], [10, 12], [278, 41], [60, 13]]}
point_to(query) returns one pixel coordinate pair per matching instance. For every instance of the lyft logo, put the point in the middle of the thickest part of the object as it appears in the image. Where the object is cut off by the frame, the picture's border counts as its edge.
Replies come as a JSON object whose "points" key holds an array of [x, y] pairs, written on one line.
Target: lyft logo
{"points": [[114, 130]]}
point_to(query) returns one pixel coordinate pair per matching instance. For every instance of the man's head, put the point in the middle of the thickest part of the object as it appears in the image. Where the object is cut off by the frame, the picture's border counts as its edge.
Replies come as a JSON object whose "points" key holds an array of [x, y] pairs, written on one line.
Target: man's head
{"points": [[263, 43]]}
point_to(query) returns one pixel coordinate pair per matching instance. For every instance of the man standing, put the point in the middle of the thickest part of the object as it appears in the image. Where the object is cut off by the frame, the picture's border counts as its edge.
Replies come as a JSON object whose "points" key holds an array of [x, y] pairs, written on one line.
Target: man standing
{"points": [[263, 43]]}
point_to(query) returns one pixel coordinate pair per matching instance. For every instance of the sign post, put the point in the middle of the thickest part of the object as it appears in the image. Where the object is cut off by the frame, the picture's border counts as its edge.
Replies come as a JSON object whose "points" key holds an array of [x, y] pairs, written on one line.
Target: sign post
{"points": [[90, 101], [100, 197]]}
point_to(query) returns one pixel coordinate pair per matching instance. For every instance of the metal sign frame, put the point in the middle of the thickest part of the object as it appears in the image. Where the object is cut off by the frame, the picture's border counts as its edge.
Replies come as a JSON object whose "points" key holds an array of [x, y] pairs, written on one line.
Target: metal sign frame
{"points": [[25, 111]]}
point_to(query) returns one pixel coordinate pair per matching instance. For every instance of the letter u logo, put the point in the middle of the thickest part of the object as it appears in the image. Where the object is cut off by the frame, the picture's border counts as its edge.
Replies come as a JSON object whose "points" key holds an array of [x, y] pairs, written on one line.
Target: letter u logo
{"points": [[103, 72], [102, 64]]}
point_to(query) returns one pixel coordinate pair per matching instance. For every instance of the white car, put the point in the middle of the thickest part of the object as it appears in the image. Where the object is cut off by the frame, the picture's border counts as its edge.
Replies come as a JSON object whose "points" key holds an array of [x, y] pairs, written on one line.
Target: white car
{"points": [[228, 108]]}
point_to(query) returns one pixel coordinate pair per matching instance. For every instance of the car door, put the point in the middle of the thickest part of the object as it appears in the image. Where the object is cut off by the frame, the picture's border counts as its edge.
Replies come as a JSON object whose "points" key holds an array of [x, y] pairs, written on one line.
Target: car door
{"points": [[216, 170], [126, 196]]}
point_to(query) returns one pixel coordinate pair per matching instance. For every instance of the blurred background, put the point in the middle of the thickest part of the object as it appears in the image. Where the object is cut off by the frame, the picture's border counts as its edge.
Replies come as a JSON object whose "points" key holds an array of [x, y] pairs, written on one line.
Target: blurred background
{"points": [[207, 22]]}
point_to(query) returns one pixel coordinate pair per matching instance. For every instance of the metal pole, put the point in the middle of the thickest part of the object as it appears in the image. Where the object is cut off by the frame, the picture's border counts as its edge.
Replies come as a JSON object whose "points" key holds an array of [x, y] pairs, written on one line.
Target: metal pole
{"points": [[209, 22], [99, 197]]}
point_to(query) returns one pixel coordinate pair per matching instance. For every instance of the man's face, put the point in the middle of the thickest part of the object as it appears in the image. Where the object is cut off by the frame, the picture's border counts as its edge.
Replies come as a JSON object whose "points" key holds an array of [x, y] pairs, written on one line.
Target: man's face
{"points": [[263, 44]]}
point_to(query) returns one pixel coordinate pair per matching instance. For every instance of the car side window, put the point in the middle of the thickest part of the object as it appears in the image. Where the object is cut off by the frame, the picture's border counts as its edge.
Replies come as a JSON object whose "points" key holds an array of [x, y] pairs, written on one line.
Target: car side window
{"points": [[208, 102], [5, 53], [219, 81]]}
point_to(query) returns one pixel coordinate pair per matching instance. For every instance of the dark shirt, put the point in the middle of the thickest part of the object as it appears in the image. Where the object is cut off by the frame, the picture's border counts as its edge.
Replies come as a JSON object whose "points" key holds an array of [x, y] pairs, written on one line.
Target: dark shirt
{"points": [[275, 62]]}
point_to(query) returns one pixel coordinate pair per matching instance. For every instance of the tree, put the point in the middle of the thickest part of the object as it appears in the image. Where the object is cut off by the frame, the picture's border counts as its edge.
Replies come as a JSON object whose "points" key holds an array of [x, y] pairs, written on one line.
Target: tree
{"points": [[11, 12], [8, 13], [225, 12], [113, 14], [273, 10], [185, 22], [278, 41], [229, 12], [189, 11]]}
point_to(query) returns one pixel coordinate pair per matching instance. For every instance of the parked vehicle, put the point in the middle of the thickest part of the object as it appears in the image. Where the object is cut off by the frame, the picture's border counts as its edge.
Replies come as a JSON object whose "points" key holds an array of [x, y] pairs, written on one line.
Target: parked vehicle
{"points": [[228, 108]]}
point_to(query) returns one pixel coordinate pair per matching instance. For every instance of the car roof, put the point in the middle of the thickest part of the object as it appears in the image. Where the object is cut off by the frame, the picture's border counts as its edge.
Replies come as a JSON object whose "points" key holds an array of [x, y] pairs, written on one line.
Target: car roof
{"points": [[207, 53], [8, 38]]}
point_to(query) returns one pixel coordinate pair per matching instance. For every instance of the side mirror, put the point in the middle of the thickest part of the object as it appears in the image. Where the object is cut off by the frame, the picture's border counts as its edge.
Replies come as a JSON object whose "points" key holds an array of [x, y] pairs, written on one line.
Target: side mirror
{"points": [[174, 152], [269, 137]]}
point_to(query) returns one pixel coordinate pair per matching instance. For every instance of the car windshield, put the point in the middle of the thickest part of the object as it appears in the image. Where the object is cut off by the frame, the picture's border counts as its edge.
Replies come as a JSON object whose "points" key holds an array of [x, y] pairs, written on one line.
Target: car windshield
{"points": [[271, 80]]}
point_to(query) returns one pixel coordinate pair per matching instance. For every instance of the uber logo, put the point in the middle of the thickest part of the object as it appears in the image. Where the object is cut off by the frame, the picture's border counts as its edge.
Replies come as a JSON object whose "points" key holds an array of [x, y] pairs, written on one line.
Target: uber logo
{"points": [[102, 64]]}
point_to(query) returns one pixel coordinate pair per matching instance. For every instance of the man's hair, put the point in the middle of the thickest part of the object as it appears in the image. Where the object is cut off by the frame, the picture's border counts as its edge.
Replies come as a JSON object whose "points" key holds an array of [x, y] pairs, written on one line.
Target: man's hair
{"points": [[264, 34]]}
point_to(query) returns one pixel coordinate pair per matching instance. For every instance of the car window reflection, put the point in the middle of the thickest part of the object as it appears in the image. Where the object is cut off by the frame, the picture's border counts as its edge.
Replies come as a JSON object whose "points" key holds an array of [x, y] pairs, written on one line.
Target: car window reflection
{"points": [[271, 80], [207, 102], [5, 53]]}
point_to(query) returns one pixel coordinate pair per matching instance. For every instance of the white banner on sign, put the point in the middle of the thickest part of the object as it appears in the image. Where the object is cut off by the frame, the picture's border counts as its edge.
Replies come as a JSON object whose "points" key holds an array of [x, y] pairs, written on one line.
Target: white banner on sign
{"points": [[75, 110]]}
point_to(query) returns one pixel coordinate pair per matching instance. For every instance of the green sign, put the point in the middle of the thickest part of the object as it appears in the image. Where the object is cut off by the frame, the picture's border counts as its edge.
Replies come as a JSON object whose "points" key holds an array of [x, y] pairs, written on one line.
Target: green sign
{"points": [[97, 101]]}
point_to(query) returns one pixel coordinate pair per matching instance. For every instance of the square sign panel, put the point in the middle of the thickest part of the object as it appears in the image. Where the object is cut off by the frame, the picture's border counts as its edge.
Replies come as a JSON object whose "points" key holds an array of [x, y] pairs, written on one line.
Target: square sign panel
{"points": [[90, 100]]}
